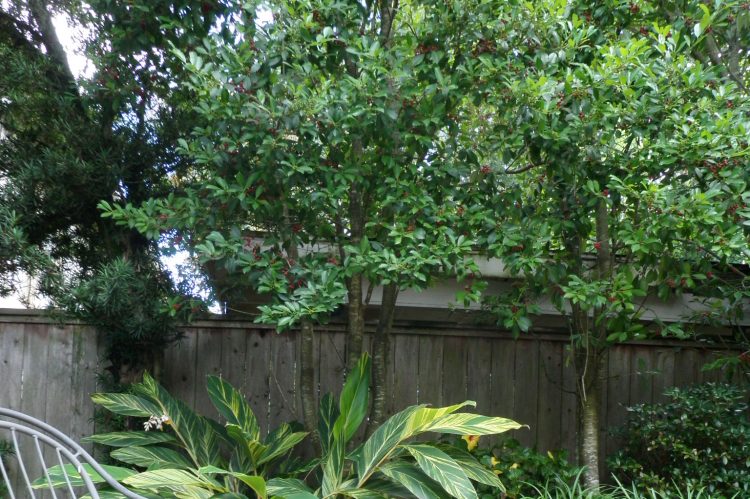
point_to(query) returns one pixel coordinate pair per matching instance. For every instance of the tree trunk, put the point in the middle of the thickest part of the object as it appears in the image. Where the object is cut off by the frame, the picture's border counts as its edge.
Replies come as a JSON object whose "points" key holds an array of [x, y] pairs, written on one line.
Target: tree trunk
{"points": [[589, 368], [307, 360], [380, 355], [356, 322], [588, 432], [307, 379], [590, 363]]}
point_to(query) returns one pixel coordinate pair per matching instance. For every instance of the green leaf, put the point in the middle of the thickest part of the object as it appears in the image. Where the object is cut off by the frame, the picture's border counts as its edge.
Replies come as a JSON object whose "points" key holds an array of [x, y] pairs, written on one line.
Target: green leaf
{"points": [[198, 435], [473, 468], [256, 483], [129, 438], [126, 404], [232, 405], [152, 456], [57, 476], [289, 488], [382, 442], [408, 475], [170, 479], [424, 416], [353, 399], [439, 466], [471, 424], [327, 415], [280, 445]]}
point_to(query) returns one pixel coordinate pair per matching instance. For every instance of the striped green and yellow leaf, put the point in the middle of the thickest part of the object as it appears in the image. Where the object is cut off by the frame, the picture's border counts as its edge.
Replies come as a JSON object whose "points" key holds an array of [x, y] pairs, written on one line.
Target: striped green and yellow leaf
{"points": [[232, 405], [439, 466], [152, 457], [471, 424], [127, 404], [413, 479], [129, 438]]}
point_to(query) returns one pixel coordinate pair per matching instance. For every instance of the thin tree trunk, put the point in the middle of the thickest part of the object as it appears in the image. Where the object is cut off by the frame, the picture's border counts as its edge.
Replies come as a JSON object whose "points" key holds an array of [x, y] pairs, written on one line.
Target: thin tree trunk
{"points": [[380, 355], [590, 364], [356, 322], [588, 428], [307, 360], [307, 378]]}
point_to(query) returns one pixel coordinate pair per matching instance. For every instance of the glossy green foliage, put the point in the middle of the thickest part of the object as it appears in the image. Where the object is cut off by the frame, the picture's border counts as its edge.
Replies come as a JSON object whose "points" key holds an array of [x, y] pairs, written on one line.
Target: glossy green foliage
{"points": [[700, 437], [520, 468], [319, 128], [587, 107]]}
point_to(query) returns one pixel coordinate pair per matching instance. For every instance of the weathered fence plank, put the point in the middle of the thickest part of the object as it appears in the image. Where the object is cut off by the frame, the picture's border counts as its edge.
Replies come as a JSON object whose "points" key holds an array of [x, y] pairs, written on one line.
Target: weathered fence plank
{"points": [[526, 390]]}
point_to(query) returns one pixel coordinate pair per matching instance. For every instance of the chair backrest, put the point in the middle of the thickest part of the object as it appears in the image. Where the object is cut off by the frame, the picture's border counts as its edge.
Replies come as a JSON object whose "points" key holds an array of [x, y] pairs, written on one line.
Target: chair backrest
{"points": [[34, 447]]}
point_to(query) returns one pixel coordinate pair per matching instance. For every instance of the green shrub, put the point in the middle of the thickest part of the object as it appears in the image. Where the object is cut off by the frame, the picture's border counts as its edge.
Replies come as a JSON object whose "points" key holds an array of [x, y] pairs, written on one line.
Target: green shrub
{"points": [[700, 439], [520, 468]]}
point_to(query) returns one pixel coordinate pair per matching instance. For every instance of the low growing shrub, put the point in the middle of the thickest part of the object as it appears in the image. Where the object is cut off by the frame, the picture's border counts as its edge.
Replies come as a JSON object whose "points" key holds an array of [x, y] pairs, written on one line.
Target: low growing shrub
{"points": [[699, 439], [521, 469]]}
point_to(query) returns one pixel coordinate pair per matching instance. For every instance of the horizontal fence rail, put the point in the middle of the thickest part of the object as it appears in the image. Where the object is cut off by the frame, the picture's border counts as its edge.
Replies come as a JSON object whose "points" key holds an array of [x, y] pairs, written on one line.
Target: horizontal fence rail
{"points": [[49, 372]]}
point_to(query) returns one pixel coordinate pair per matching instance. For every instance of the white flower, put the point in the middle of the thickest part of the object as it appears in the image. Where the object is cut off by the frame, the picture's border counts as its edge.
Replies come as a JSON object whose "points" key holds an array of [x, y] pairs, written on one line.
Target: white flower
{"points": [[156, 422]]}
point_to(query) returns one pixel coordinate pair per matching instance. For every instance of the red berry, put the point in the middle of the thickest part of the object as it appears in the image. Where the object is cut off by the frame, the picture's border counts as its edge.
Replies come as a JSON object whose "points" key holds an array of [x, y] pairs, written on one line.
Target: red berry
{"points": [[710, 275], [486, 169], [598, 245]]}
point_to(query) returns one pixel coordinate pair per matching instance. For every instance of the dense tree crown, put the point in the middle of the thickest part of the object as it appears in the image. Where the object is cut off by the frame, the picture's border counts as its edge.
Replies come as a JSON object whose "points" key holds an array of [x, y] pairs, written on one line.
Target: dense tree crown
{"points": [[314, 150]]}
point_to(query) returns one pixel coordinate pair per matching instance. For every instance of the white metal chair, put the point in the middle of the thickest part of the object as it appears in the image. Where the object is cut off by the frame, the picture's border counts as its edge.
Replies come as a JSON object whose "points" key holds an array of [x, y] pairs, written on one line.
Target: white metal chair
{"points": [[28, 435]]}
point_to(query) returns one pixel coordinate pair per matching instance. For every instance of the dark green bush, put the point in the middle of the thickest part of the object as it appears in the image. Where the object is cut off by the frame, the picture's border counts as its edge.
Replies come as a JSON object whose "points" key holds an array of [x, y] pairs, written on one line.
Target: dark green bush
{"points": [[701, 438], [521, 468]]}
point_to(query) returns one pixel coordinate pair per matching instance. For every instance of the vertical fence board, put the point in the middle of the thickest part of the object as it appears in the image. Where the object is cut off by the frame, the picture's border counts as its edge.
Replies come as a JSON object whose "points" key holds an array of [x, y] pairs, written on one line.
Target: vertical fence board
{"points": [[11, 364], [35, 382], [83, 382], [664, 377], [179, 368], [430, 377], [502, 383], [686, 367], [569, 411], [479, 374], [208, 362], [454, 370], [525, 397], [282, 376], [549, 397], [405, 370], [618, 391], [233, 358], [258, 364], [332, 363], [641, 384]]}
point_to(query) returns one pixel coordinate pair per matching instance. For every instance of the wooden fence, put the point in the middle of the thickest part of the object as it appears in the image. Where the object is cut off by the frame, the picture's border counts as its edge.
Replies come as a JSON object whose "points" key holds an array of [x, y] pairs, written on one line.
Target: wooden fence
{"points": [[49, 371]]}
